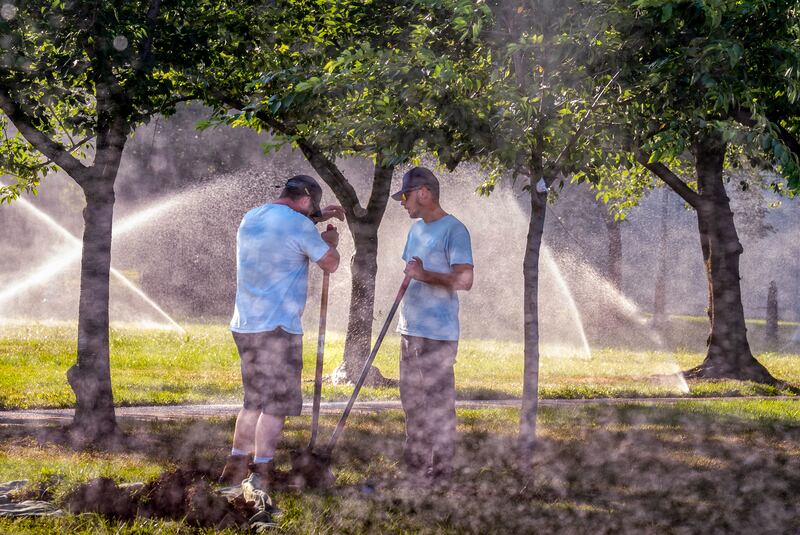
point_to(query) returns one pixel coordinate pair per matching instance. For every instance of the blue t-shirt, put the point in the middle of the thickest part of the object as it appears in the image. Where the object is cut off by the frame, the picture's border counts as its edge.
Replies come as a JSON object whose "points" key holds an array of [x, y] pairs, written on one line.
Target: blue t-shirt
{"points": [[427, 310], [273, 247]]}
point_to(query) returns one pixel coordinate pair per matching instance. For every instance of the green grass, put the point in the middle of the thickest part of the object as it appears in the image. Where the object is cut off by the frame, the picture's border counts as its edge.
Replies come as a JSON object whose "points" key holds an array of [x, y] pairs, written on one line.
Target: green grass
{"points": [[694, 466], [162, 367]]}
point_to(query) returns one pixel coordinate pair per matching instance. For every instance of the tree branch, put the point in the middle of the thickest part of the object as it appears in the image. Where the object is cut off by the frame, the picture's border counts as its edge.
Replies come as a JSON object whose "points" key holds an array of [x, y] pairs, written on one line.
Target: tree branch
{"points": [[574, 139], [745, 117], [326, 168], [669, 178], [381, 187], [334, 178], [145, 55], [72, 149], [56, 152]]}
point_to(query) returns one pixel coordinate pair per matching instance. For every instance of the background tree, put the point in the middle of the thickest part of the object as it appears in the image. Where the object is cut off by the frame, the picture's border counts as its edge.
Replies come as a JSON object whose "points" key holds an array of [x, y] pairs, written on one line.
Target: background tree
{"points": [[703, 83], [337, 79], [523, 109], [76, 79]]}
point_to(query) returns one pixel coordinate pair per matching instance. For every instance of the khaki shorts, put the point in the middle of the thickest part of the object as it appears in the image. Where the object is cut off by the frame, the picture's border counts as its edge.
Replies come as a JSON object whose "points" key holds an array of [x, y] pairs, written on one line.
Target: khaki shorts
{"points": [[271, 363]]}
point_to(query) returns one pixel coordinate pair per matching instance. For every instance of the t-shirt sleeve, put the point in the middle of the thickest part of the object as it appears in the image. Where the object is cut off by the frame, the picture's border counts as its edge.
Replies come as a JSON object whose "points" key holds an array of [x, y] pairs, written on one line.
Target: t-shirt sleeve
{"points": [[459, 246], [406, 253], [310, 242]]}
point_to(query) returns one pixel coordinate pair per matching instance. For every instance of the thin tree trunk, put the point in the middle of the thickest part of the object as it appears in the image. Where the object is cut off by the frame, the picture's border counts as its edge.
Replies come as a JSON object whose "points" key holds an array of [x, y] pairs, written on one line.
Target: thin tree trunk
{"points": [[771, 326], [530, 382], [90, 377], [363, 224], [728, 354], [363, 271]]}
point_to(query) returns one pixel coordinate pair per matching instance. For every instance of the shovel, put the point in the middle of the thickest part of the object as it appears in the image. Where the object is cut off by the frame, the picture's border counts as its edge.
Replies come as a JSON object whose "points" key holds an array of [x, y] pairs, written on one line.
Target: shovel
{"points": [[312, 468], [298, 455]]}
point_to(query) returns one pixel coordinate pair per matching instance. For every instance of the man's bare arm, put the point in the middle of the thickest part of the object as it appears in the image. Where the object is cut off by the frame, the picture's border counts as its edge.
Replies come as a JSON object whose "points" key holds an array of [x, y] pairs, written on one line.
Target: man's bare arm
{"points": [[329, 261], [460, 278]]}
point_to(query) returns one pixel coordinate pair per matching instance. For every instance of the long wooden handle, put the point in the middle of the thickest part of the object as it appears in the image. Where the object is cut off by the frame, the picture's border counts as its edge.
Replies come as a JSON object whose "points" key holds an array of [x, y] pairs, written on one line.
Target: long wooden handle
{"points": [[343, 419], [323, 312], [323, 315]]}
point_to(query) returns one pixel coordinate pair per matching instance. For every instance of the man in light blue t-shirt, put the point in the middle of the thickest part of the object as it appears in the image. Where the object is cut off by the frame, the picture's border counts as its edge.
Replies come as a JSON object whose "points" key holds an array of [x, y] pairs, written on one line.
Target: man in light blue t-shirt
{"points": [[438, 257], [274, 246]]}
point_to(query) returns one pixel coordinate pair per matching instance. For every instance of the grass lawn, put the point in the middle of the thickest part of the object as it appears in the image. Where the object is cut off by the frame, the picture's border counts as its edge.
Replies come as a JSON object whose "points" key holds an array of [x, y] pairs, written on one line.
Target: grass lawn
{"points": [[162, 367], [690, 467]]}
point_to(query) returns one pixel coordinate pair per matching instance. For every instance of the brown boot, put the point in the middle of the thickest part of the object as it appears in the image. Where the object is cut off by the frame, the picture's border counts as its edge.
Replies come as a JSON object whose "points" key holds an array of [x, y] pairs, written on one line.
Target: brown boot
{"points": [[236, 469]]}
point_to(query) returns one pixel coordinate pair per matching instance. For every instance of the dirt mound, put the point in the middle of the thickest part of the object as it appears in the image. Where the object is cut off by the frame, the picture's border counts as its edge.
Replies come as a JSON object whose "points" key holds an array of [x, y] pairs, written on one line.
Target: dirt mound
{"points": [[174, 495], [103, 496]]}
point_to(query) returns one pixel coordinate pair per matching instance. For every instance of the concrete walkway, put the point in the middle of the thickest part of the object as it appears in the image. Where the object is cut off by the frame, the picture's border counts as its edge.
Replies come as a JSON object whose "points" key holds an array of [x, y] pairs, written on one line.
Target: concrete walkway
{"points": [[171, 412]]}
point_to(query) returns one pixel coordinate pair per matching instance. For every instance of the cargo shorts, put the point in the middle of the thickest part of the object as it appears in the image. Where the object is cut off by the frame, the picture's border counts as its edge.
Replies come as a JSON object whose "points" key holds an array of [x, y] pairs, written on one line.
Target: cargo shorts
{"points": [[271, 363]]}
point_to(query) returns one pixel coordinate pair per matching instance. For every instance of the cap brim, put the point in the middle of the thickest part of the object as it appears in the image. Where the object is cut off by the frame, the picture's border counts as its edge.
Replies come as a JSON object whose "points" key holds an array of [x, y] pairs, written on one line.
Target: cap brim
{"points": [[397, 196]]}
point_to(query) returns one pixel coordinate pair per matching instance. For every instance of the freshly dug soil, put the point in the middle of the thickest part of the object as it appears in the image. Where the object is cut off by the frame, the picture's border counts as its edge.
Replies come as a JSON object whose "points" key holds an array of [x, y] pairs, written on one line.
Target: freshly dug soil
{"points": [[174, 495]]}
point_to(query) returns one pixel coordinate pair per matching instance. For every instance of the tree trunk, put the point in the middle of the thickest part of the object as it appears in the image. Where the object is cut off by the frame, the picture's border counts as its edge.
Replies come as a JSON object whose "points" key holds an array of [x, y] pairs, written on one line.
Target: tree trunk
{"points": [[660, 293], [363, 271], [771, 327], [363, 225], [90, 377], [728, 354], [530, 382]]}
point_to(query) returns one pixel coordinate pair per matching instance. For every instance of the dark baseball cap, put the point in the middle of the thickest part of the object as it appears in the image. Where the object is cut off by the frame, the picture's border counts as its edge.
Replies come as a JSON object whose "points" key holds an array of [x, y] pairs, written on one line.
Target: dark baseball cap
{"points": [[415, 178], [308, 186]]}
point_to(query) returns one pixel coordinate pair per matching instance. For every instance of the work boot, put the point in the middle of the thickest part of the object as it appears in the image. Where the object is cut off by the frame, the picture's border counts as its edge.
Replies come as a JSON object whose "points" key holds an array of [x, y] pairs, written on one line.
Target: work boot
{"points": [[262, 476], [236, 469]]}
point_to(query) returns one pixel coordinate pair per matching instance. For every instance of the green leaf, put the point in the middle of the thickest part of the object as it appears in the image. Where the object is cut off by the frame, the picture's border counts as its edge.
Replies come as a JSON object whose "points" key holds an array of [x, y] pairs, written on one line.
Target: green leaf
{"points": [[666, 12]]}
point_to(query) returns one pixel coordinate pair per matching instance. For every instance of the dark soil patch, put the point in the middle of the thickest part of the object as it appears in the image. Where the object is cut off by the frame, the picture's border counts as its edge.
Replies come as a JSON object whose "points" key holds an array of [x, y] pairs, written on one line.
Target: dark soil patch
{"points": [[174, 495]]}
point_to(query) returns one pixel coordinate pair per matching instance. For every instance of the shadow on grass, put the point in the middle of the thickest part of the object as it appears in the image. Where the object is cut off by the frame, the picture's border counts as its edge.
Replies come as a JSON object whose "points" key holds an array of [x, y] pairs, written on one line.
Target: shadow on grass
{"points": [[481, 393], [692, 467]]}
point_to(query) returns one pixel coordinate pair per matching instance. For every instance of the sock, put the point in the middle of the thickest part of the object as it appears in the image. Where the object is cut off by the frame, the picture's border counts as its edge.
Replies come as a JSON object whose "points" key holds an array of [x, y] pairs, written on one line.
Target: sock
{"points": [[259, 460], [237, 451]]}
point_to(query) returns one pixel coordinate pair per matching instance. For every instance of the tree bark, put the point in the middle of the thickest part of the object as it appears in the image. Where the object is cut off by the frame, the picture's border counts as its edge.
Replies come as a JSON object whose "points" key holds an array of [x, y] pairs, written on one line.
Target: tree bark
{"points": [[728, 354], [363, 271], [530, 381], [771, 326], [363, 224], [90, 377]]}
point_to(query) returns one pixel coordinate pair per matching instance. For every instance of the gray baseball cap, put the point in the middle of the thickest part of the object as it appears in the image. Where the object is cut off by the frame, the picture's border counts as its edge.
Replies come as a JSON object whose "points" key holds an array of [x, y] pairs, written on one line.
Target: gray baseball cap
{"points": [[415, 178], [307, 185]]}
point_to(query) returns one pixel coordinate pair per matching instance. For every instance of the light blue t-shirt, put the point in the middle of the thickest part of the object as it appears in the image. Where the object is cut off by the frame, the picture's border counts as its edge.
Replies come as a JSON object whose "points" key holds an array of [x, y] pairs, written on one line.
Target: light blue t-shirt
{"points": [[427, 310], [273, 247]]}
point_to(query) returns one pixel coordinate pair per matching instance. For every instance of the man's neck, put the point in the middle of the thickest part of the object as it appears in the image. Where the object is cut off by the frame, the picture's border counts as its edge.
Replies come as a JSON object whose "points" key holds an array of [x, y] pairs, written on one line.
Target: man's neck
{"points": [[434, 214], [288, 202]]}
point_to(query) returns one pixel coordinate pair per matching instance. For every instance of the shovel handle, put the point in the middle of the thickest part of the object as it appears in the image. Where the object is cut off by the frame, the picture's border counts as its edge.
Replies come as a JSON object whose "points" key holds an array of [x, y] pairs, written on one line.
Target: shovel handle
{"points": [[323, 315], [343, 419]]}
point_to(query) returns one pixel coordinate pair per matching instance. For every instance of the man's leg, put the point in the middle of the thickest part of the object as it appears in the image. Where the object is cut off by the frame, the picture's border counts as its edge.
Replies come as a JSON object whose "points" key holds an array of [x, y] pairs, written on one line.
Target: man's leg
{"points": [[441, 395], [244, 433], [416, 454], [236, 466], [280, 362], [267, 434]]}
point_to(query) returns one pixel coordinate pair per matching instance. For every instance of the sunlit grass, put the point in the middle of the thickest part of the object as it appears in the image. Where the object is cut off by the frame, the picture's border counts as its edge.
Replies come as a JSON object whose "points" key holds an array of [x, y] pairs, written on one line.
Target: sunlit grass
{"points": [[151, 366]]}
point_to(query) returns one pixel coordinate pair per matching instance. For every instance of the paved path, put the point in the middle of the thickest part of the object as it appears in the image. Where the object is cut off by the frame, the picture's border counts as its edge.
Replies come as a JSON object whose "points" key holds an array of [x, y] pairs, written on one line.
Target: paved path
{"points": [[171, 412]]}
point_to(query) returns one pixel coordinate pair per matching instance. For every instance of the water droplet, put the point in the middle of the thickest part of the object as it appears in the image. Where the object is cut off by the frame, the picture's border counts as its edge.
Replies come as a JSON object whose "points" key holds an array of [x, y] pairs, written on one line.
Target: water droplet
{"points": [[120, 42], [8, 11]]}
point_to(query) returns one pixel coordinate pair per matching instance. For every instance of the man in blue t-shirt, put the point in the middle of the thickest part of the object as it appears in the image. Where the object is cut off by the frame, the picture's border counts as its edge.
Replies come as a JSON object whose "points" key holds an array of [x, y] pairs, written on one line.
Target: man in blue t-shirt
{"points": [[438, 257], [274, 246]]}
